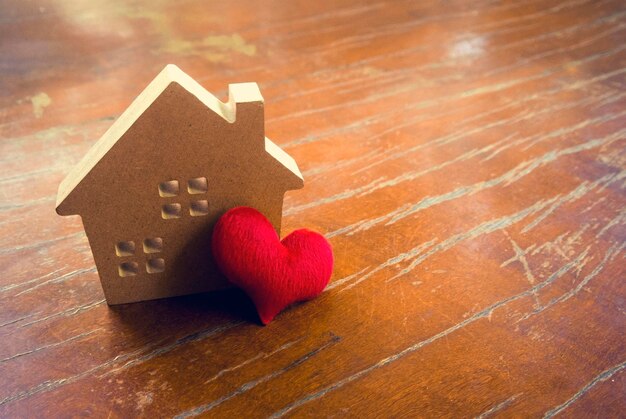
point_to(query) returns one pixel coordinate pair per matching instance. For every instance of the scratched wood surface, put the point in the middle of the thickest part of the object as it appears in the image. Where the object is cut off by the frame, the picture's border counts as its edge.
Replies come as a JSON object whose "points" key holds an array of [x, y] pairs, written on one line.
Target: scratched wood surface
{"points": [[466, 160]]}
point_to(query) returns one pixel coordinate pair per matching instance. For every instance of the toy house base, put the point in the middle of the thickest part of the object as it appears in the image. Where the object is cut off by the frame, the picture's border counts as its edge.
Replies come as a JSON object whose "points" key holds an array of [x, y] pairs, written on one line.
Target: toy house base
{"points": [[151, 189]]}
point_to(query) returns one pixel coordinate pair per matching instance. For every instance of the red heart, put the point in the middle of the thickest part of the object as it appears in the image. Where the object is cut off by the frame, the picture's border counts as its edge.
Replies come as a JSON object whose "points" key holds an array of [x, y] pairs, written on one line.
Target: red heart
{"points": [[273, 273]]}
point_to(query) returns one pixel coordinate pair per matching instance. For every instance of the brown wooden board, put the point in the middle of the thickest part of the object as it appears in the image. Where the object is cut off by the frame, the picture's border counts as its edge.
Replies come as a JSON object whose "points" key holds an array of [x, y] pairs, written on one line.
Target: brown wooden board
{"points": [[464, 158]]}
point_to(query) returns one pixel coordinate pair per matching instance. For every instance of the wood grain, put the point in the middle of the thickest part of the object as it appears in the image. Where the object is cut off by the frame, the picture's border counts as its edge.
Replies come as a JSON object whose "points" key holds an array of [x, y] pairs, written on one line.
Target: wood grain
{"points": [[467, 160]]}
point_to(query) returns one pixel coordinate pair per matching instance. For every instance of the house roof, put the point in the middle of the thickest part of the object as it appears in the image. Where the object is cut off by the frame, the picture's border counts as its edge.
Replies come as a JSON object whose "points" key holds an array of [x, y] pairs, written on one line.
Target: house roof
{"points": [[238, 93]]}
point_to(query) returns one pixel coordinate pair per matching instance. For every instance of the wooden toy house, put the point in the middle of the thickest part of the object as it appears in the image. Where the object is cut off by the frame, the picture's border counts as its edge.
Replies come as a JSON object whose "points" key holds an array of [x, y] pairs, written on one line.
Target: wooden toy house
{"points": [[151, 189]]}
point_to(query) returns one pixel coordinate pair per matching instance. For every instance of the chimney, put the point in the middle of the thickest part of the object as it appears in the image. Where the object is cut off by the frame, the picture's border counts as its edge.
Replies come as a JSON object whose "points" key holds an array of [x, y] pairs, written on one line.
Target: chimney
{"points": [[246, 100]]}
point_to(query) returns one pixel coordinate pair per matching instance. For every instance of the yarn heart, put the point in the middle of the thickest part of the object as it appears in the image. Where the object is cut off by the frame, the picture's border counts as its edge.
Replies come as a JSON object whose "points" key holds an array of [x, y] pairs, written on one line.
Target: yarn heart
{"points": [[273, 273]]}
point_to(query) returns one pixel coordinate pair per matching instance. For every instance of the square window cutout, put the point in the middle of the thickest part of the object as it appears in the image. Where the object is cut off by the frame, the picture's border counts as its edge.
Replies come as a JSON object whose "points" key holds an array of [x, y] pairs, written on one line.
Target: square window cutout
{"points": [[169, 188], [197, 185], [198, 208], [154, 245], [169, 211], [154, 266], [125, 248], [128, 269]]}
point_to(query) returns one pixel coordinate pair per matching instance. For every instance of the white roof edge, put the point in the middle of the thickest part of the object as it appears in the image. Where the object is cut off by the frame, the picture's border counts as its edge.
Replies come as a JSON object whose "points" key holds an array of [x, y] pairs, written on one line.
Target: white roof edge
{"points": [[282, 156], [244, 93], [225, 110]]}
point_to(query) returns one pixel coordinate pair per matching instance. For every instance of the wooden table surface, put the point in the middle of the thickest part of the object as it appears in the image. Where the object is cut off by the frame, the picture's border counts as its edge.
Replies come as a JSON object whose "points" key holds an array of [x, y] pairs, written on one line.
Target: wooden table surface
{"points": [[466, 160]]}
